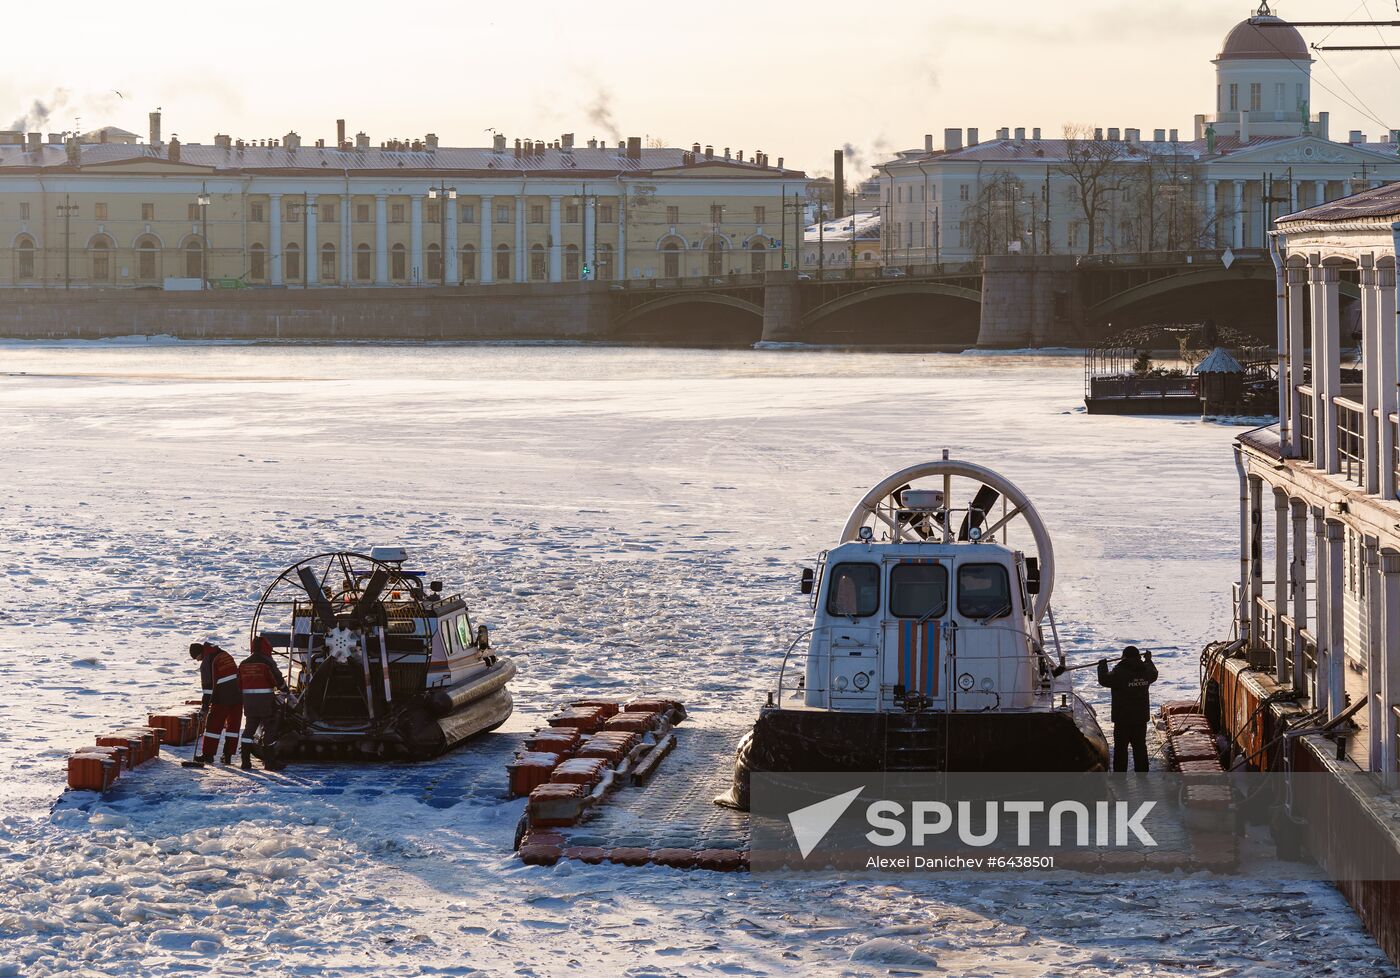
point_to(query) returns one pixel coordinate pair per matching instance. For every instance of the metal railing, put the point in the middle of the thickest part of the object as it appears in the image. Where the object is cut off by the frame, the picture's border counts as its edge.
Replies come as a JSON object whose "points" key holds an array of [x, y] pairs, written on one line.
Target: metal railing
{"points": [[1351, 440], [1134, 387], [1305, 421], [1275, 634]]}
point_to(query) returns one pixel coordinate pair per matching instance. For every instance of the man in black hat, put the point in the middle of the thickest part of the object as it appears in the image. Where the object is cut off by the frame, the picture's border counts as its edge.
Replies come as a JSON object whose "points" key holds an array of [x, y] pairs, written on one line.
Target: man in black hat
{"points": [[1130, 680]]}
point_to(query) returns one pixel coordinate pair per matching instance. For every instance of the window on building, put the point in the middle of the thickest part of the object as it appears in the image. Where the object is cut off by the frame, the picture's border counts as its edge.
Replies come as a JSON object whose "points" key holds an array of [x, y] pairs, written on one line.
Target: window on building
{"points": [[503, 263], [1279, 96], [573, 271], [328, 213], [571, 214], [716, 213], [469, 264], [362, 213], [434, 269], [539, 263], [1219, 99], [147, 257], [1234, 98], [292, 262], [605, 213], [537, 213], [466, 213], [398, 263], [1298, 95], [431, 211], [24, 258], [604, 271], [673, 216], [255, 212], [715, 255], [396, 213], [1256, 96], [257, 262], [502, 213], [194, 260], [99, 211], [963, 234], [760, 215], [101, 249], [327, 263], [962, 191], [24, 210], [363, 263], [758, 256], [1072, 234], [192, 211], [148, 212], [291, 212], [670, 261]]}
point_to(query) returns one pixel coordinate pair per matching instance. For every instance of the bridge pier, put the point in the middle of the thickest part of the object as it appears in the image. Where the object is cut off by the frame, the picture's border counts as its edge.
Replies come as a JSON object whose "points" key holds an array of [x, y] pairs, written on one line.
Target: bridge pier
{"points": [[782, 307], [1029, 301]]}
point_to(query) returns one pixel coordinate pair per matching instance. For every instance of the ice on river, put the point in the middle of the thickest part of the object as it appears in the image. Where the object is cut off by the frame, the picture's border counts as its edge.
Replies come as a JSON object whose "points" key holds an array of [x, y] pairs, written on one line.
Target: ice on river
{"points": [[624, 520]]}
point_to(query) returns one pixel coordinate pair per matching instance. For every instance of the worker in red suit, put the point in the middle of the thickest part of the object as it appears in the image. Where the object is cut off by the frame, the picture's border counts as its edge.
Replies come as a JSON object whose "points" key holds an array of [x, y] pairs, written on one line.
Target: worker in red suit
{"points": [[223, 703], [261, 682]]}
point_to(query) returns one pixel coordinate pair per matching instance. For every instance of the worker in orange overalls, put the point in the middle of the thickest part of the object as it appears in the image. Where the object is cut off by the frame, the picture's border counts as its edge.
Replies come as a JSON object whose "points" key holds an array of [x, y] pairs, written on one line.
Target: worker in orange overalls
{"points": [[261, 680], [223, 703]]}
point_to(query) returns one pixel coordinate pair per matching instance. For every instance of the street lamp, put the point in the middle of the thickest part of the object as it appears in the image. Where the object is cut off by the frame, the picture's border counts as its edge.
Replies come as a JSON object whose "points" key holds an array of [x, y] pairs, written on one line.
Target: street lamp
{"points": [[203, 200], [66, 210], [442, 192]]}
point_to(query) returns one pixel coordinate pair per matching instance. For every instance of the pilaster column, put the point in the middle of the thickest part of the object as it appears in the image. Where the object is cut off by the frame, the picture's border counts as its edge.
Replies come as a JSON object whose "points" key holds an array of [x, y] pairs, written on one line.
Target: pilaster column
{"points": [[1319, 192], [1297, 277], [1292, 196], [1212, 229], [486, 260], [621, 271], [453, 268], [1346, 188], [1239, 214], [1336, 621], [1386, 354], [311, 262], [1327, 361], [556, 241], [415, 236], [1370, 376], [1256, 559], [522, 267], [1374, 651], [590, 244], [347, 250], [1321, 629], [1280, 636], [381, 239], [274, 239], [1390, 664], [1298, 592]]}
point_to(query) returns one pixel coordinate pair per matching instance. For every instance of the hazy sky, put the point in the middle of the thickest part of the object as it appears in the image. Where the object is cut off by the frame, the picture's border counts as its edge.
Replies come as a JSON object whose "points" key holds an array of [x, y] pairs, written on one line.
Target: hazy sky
{"points": [[793, 79]]}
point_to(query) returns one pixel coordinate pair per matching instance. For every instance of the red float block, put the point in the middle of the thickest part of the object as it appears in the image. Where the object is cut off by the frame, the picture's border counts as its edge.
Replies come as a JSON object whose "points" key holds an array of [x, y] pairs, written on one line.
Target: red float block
{"points": [[630, 856], [609, 707], [91, 771], [530, 770], [720, 860], [127, 748], [555, 804], [540, 854], [1180, 706], [675, 858], [533, 837], [554, 740], [583, 771], [584, 718], [593, 855], [1192, 747], [673, 708], [634, 722], [1209, 766]]}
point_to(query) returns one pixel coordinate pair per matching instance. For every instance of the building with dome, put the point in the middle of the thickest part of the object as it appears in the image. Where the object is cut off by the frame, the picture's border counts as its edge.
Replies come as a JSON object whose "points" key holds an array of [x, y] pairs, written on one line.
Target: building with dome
{"points": [[1261, 154]]}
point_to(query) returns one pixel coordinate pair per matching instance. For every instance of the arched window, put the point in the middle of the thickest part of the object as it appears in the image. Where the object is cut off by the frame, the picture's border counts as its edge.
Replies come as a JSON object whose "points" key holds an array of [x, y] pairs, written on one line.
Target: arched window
{"points": [[758, 256], [398, 263], [434, 264], [293, 262], [363, 263], [147, 258], [715, 253], [328, 262], [670, 261], [571, 265], [24, 258], [539, 264], [503, 263], [604, 271], [257, 262], [100, 251], [194, 259], [469, 263]]}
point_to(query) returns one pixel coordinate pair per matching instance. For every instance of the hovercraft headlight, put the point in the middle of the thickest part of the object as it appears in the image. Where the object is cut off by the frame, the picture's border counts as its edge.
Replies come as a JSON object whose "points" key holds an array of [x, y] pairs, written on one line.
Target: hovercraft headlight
{"points": [[862, 680]]}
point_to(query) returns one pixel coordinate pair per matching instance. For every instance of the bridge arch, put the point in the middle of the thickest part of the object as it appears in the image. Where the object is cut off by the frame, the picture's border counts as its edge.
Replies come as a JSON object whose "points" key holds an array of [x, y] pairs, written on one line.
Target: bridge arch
{"points": [[1107, 309], [886, 291], [897, 313], [702, 319]]}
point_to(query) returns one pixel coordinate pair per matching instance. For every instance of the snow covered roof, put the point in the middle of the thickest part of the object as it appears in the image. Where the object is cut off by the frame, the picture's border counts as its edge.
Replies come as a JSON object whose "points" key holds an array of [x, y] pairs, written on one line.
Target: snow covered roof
{"points": [[1219, 362], [1382, 203], [866, 227]]}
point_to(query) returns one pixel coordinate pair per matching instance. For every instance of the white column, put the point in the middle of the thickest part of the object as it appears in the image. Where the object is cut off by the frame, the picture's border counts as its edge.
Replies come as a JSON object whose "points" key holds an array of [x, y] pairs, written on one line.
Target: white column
{"points": [[347, 255], [1256, 558], [1321, 629], [1292, 196], [1336, 621], [1327, 361], [1390, 658], [556, 241], [1370, 377], [453, 268], [1375, 672], [1211, 229], [1346, 188], [1386, 353], [522, 268], [1298, 588], [486, 259], [1319, 192], [311, 264], [620, 262], [274, 239], [590, 247], [415, 234], [1297, 278], [1280, 636], [381, 239], [1239, 214]]}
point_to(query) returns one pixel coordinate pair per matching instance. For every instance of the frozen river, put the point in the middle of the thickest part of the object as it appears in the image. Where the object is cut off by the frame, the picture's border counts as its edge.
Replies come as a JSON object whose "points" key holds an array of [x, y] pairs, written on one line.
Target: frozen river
{"points": [[624, 520]]}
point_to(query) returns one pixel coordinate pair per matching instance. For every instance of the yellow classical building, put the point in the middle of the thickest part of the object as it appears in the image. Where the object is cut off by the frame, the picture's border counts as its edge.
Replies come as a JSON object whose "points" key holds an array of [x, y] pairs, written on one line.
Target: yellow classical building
{"points": [[91, 212]]}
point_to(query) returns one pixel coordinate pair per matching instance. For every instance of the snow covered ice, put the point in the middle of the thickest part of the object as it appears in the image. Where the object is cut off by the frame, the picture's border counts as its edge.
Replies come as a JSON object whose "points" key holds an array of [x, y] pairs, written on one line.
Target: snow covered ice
{"points": [[624, 521]]}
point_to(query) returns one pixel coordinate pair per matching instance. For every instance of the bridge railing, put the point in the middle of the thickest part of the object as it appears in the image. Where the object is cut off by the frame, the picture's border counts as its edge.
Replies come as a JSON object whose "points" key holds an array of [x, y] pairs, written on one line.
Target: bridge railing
{"points": [[1206, 257], [734, 281], [891, 271]]}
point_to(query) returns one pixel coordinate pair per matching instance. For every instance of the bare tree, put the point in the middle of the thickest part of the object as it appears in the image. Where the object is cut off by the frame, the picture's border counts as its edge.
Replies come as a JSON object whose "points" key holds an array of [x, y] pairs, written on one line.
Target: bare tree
{"points": [[999, 214], [1097, 170]]}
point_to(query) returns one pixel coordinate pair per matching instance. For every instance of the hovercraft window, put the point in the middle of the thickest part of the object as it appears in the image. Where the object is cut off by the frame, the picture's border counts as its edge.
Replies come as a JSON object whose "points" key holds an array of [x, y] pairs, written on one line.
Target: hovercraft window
{"points": [[984, 591], [919, 591], [854, 590]]}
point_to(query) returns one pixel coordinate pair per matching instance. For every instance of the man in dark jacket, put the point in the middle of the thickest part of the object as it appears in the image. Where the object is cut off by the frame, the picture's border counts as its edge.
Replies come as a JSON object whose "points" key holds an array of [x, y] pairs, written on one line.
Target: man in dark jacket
{"points": [[223, 703], [261, 681], [1130, 680]]}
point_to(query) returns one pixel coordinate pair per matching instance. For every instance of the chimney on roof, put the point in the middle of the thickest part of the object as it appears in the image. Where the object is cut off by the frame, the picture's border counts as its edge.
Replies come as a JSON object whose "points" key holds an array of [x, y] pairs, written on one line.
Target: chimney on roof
{"points": [[361, 140], [417, 146], [1004, 133], [36, 142], [340, 134], [780, 162], [221, 141], [1098, 134], [432, 142], [1133, 136], [155, 128], [1035, 134], [75, 151], [695, 148], [1323, 124], [952, 140], [174, 149], [102, 135], [517, 149], [972, 139], [539, 147], [838, 182], [567, 142], [1113, 134], [1356, 137], [726, 152], [593, 144], [928, 142], [709, 152], [1020, 134], [1159, 135], [320, 144], [634, 147], [292, 141], [1175, 135], [498, 144]]}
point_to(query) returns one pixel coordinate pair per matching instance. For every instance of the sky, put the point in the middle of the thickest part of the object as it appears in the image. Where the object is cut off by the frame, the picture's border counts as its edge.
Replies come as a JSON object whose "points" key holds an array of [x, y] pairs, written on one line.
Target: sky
{"points": [[795, 80]]}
